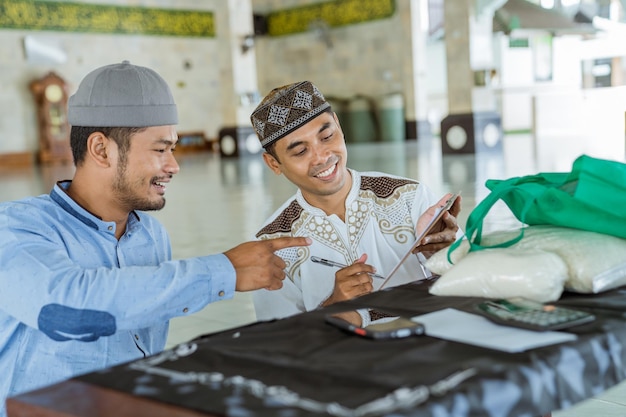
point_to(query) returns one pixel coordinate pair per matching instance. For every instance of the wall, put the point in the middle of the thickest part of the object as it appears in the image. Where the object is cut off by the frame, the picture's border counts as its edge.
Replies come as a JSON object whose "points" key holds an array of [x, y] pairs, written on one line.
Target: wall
{"points": [[364, 58], [188, 64], [370, 67], [359, 59]]}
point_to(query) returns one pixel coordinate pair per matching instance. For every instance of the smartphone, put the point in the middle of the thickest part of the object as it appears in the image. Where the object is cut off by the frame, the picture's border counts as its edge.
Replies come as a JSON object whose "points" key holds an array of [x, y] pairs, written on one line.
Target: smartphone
{"points": [[390, 327], [438, 215]]}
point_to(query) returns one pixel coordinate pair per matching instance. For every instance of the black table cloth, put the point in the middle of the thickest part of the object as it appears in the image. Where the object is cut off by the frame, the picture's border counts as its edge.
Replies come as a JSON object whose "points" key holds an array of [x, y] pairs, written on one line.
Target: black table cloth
{"points": [[301, 366]]}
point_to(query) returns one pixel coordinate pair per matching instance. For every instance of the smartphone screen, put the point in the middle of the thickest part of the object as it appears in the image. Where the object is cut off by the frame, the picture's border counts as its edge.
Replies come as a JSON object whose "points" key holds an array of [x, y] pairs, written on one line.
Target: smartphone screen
{"points": [[438, 215], [389, 327]]}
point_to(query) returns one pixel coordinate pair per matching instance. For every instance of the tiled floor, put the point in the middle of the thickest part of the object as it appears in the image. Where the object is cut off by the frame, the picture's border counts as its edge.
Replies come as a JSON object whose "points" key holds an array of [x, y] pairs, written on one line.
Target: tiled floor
{"points": [[213, 204]]}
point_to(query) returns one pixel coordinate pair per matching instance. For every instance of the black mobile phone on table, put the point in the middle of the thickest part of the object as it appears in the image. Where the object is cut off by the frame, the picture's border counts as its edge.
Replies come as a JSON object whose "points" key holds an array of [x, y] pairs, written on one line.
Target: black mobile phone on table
{"points": [[388, 326], [531, 315]]}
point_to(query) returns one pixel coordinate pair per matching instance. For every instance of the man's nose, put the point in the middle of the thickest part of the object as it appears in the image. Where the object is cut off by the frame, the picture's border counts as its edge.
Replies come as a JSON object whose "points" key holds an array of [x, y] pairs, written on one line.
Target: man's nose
{"points": [[171, 166], [320, 152]]}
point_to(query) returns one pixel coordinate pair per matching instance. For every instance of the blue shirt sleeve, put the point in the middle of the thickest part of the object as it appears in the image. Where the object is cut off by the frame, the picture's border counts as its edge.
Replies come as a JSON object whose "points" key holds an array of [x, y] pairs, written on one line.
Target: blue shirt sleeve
{"points": [[73, 280]]}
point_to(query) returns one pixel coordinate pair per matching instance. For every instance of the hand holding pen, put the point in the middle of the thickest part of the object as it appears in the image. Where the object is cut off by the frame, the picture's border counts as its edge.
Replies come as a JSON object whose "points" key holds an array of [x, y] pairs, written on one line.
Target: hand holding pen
{"points": [[351, 281], [330, 263]]}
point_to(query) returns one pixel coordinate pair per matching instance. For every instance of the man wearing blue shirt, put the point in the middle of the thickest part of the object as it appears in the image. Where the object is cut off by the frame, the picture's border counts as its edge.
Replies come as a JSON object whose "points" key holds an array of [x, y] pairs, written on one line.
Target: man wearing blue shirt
{"points": [[86, 277]]}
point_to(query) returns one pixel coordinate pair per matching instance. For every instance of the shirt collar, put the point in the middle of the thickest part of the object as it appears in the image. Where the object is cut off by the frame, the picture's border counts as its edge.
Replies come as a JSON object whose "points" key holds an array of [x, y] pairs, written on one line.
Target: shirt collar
{"points": [[61, 197]]}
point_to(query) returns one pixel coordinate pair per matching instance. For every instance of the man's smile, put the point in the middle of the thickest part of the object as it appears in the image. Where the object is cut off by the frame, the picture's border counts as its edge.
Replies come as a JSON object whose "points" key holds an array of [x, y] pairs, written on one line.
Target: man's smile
{"points": [[328, 172], [160, 184]]}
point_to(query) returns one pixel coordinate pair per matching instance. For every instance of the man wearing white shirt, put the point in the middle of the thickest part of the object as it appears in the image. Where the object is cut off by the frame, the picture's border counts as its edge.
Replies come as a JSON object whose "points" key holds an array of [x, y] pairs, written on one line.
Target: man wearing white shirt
{"points": [[365, 220]]}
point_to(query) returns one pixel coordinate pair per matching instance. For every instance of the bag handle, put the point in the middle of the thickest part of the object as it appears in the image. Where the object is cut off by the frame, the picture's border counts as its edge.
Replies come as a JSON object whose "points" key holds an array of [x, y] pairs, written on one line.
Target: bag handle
{"points": [[474, 225]]}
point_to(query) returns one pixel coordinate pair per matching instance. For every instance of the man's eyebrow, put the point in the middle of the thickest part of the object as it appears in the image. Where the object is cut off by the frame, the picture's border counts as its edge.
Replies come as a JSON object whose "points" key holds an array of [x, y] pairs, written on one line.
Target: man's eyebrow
{"points": [[166, 141], [294, 144], [324, 127], [299, 142]]}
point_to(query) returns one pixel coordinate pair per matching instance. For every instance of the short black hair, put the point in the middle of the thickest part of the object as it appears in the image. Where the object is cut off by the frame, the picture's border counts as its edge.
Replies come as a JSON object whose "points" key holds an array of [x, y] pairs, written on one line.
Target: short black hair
{"points": [[120, 135]]}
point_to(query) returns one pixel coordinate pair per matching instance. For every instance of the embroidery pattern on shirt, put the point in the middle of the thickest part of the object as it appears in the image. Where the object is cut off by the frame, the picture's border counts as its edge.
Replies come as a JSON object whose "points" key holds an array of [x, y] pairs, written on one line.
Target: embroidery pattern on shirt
{"points": [[386, 200], [392, 206], [283, 224], [322, 230], [384, 187], [294, 257], [288, 223], [357, 218]]}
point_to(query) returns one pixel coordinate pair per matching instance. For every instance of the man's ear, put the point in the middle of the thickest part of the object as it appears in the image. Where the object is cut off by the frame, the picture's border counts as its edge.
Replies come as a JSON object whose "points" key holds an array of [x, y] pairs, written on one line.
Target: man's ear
{"points": [[272, 163], [97, 146]]}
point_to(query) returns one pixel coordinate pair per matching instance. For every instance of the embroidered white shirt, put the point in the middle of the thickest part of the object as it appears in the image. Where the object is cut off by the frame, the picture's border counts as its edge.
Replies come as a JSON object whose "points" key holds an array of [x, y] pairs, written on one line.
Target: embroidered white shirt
{"points": [[380, 220]]}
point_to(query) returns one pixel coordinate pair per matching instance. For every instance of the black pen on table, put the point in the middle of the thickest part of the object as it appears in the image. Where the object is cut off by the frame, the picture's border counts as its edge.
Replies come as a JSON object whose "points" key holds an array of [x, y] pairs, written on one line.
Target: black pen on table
{"points": [[326, 262]]}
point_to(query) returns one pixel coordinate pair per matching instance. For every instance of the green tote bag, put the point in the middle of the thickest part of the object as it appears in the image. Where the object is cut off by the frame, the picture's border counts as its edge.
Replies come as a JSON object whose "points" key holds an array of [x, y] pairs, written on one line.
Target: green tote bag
{"points": [[591, 197]]}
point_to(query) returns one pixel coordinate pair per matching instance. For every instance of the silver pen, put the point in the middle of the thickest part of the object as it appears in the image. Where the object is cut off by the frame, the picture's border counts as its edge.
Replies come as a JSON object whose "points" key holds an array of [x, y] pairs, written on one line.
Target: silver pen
{"points": [[326, 262]]}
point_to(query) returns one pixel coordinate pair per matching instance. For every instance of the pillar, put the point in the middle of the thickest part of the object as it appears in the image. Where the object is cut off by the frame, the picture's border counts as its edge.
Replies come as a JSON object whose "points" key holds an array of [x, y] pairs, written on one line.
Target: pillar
{"points": [[413, 14], [238, 80], [472, 124]]}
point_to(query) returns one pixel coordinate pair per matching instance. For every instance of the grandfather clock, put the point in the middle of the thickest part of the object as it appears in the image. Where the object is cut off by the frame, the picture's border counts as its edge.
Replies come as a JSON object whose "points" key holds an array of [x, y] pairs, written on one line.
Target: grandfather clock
{"points": [[54, 131]]}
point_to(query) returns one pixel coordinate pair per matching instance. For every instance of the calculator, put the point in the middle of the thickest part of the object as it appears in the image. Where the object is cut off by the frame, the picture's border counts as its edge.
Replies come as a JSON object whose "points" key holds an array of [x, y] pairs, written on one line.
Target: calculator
{"points": [[528, 314]]}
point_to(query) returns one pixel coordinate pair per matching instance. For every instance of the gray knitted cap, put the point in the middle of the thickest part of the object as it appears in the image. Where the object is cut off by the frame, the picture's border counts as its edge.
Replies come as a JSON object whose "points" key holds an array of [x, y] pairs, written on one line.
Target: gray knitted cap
{"points": [[122, 95]]}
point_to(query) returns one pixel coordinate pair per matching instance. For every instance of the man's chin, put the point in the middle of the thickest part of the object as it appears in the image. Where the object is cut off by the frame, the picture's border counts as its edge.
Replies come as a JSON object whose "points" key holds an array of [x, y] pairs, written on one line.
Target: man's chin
{"points": [[154, 206]]}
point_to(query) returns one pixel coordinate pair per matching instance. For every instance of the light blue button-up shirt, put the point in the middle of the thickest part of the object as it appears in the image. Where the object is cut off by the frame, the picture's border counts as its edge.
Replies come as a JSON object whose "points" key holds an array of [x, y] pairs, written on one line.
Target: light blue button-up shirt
{"points": [[74, 299]]}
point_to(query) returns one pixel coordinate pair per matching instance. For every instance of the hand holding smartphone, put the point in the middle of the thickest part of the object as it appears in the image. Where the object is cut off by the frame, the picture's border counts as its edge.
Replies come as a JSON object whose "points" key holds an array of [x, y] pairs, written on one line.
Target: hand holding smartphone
{"points": [[438, 215]]}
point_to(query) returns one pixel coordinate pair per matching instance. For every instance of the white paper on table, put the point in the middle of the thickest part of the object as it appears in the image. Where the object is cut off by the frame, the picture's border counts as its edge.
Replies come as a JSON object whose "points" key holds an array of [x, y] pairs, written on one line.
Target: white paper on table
{"points": [[472, 329]]}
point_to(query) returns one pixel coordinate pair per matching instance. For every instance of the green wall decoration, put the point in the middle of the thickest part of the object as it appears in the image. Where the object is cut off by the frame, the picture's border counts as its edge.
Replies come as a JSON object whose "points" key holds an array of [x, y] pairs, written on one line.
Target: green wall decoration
{"points": [[333, 13], [95, 18]]}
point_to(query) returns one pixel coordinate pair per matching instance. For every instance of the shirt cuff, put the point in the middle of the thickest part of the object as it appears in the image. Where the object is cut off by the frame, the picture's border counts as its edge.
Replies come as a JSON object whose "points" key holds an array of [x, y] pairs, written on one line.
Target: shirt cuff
{"points": [[365, 316], [223, 277]]}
